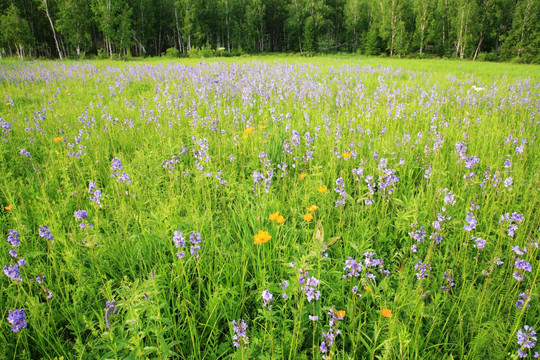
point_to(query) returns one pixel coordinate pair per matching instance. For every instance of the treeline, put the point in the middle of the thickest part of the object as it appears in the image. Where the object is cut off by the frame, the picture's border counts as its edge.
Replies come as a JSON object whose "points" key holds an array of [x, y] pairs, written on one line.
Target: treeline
{"points": [[467, 29]]}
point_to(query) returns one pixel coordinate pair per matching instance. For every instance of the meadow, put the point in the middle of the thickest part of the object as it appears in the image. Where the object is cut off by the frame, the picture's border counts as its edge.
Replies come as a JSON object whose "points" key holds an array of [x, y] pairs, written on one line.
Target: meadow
{"points": [[269, 208]]}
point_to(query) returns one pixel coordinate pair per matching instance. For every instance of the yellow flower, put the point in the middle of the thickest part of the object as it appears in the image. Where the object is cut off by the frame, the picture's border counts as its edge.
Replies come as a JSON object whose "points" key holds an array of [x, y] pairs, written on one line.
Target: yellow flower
{"points": [[9, 207], [280, 219], [346, 155], [273, 216], [248, 130], [367, 288], [57, 139], [386, 313], [57, 153], [322, 189], [261, 237], [312, 208], [244, 137], [302, 175], [308, 217]]}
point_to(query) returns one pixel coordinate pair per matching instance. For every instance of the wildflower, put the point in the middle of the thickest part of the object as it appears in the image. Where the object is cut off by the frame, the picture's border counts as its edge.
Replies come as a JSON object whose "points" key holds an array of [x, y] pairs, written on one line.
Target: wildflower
{"points": [[248, 130], [308, 217], [57, 139], [340, 189], [346, 155], [341, 314], [80, 214], [524, 299], [386, 313], [302, 175], [449, 280], [280, 219], [45, 233], [8, 207], [526, 339], [312, 208], [479, 243], [322, 189], [273, 216], [261, 237], [13, 253], [109, 306], [195, 239], [13, 272], [367, 288], [240, 336], [313, 317], [267, 298], [423, 270], [311, 289], [471, 222], [17, 318], [13, 238]]}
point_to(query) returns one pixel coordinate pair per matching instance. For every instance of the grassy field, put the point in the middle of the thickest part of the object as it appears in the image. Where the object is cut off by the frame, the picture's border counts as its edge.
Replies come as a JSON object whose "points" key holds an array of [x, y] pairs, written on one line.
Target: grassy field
{"points": [[272, 208]]}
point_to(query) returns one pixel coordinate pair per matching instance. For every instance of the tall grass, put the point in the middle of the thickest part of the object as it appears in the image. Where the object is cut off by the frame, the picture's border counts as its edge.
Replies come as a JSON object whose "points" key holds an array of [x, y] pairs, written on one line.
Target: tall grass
{"points": [[399, 125]]}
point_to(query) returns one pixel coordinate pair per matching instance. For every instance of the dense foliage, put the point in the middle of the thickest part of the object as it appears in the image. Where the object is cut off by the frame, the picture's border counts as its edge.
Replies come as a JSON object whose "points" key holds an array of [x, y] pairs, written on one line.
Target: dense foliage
{"points": [[468, 29], [269, 210]]}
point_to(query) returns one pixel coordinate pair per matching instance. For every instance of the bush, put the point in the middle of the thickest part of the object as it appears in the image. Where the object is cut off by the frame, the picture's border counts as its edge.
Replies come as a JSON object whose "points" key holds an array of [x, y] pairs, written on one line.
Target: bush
{"points": [[172, 53], [102, 54]]}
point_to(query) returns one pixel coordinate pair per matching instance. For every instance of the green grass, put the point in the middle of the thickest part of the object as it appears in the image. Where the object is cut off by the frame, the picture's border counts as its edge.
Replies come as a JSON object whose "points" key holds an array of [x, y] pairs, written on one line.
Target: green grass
{"points": [[410, 112]]}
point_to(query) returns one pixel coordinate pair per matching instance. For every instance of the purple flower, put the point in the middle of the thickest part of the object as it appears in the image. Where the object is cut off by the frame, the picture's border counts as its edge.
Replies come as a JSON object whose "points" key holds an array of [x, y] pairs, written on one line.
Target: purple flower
{"points": [[449, 282], [479, 243], [13, 272], [527, 338], [313, 317], [80, 214], [40, 278], [195, 239], [116, 164], [267, 298], [13, 253], [24, 152], [471, 222], [45, 233], [353, 267], [178, 239], [17, 318], [284, 284], [422, 270], [13, 238], [240, 336], [523, 265], [524, 298], [518, 251], [109, 306], [310, 289]]}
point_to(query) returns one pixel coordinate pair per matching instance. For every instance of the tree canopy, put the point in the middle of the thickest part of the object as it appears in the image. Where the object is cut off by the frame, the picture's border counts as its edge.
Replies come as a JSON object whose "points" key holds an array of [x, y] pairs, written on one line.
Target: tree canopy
{"points": [[467, 29]]}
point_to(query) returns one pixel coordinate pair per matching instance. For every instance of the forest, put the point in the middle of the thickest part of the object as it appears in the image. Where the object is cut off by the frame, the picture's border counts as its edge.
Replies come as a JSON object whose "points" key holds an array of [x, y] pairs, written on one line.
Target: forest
{"points": [[489, 30]]}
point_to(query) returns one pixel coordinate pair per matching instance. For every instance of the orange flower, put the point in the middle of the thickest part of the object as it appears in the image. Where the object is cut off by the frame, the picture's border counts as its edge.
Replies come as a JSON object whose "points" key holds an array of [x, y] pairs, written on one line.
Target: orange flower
{"points": [[273, 216], [58, 139], [312, 208], [302, 175], [280, 219], [386, 313], [346, 155], [341, 314], [308, 217], [322, 189], [261, 237], [9, 207]]}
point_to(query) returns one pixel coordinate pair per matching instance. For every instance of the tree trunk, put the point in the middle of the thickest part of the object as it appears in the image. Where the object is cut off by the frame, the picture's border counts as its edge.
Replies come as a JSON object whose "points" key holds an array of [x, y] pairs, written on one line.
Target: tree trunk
{"points": [[52, 27]]}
